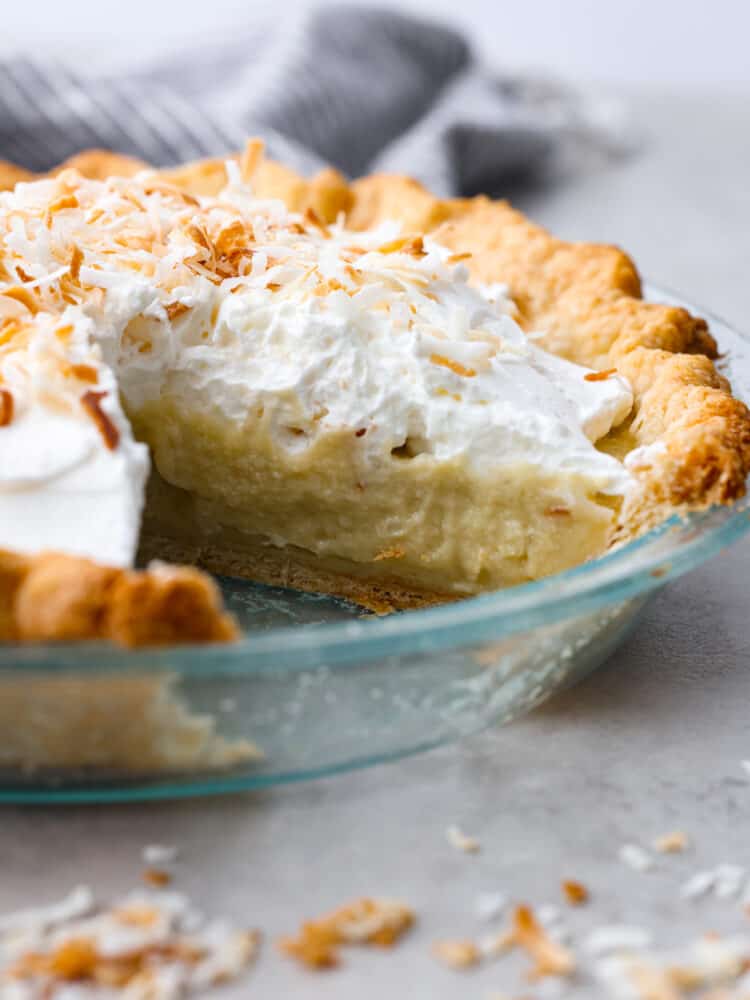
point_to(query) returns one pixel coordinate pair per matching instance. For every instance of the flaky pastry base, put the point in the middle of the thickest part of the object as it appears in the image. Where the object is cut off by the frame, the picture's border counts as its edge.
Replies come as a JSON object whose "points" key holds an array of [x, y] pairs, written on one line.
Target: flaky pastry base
{"points": [[584, 299], [52, 597]]}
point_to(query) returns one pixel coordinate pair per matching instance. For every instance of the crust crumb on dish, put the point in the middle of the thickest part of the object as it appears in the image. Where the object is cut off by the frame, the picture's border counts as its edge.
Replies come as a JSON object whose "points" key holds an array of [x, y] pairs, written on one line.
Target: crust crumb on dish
{"points": [[377, 922], [52, 597]]}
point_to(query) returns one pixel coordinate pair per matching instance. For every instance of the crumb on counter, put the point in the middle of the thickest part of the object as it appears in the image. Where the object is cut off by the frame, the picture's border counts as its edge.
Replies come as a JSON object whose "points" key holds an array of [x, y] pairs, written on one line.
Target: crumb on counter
{"points": [[376, 922]]}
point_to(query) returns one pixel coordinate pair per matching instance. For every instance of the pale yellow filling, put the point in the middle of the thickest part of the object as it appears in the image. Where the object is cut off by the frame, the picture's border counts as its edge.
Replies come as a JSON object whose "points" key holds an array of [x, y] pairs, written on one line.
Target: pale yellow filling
{"points": [[432, 526]]}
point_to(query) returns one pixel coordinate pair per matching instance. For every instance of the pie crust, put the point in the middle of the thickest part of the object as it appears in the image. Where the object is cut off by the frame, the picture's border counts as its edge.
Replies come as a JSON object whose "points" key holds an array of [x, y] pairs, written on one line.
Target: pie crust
{"points": [[52, 597], [585, 300]]}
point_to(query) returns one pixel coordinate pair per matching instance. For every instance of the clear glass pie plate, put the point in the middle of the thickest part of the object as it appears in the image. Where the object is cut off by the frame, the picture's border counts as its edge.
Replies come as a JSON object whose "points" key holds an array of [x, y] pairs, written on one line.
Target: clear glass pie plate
{"points": [[315, 686]]}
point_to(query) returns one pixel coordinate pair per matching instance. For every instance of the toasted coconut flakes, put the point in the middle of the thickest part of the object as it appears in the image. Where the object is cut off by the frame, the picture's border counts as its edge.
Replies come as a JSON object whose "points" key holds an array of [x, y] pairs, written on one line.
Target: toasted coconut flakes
{"points": [[233, 237], [575, 892], [136, 915], [314, 946], [600, 376], [77, 947], [457, 954], [9, 328], [76, 259], [635, 857], [314, 219], [251, 157], [455, 366], [6, 407], [413, 245], [654, 984], [497, 944], [197, 233], [61, 203], [378, 922], [175, 309], [170, 191], [156, 877], [71, 961], [24, 296], [86, 373], [558, 510], [550, 958], [91, 402], [461, 841], [673, 842], [712, 965], [456, 258]]}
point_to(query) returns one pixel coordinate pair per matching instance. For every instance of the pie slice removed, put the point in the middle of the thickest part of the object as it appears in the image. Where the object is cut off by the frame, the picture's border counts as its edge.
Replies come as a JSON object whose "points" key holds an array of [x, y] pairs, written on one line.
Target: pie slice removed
{"points": [[360, 390]]}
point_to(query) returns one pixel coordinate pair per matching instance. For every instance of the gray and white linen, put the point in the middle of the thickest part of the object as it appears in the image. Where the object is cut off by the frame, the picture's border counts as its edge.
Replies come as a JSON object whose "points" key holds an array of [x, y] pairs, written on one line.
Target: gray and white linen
{"points": [[361, 89]]}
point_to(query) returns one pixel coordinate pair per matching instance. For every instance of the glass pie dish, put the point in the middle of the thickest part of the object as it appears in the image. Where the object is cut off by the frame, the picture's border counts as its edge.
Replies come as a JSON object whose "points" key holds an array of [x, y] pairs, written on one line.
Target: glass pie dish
{"points": [[315, 686]]}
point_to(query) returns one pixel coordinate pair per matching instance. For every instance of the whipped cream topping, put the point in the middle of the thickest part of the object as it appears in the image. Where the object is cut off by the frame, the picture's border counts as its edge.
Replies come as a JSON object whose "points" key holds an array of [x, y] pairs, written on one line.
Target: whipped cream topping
{"points": [[234, 303], [71, 475]]}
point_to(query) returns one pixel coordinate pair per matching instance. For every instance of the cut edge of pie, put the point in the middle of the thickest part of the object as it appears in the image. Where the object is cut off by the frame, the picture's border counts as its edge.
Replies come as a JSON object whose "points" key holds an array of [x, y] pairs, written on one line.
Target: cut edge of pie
{"points": [[691, 435], [54, 597]]}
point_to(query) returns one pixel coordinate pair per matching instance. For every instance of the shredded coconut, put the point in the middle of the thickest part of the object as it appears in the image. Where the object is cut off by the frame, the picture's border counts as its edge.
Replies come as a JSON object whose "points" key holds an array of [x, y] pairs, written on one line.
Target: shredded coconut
{"points": [[160, 854], [490, 905], [148, 945], [636, 857], [461, 841]]}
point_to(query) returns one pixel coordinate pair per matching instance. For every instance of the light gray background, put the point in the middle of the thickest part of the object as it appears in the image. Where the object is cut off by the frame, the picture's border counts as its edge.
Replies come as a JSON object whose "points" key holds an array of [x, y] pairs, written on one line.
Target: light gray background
{"points": [[651, 742]]}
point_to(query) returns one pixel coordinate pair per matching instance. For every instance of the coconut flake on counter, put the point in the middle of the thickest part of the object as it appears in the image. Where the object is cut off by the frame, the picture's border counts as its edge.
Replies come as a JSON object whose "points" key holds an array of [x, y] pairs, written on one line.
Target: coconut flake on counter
{"points": [[144, 946]]}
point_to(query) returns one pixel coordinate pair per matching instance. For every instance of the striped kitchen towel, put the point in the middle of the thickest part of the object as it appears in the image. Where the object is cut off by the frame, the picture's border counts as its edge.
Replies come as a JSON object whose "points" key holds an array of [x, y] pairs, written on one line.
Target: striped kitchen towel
{"points": [[361, 89]]}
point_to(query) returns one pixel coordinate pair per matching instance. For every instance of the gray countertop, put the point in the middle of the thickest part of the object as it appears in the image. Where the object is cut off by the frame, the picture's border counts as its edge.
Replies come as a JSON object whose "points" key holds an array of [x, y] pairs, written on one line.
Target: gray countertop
{"points": [[651, 742]]}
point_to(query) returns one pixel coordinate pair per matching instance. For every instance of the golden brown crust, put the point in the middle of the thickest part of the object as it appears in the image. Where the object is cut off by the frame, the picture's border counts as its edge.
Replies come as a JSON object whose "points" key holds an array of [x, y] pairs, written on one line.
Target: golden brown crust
{"points": [[13, 570], [327, 193], [11, 174], [96, 164], [52, 597]]}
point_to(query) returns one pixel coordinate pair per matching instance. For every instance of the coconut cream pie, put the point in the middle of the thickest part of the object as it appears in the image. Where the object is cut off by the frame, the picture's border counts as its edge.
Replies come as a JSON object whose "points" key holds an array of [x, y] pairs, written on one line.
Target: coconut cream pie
{"points": [[360, 390]]}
